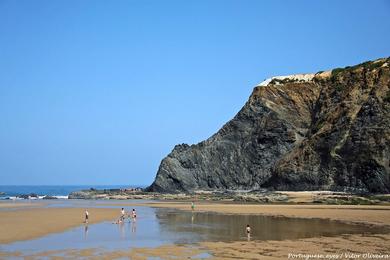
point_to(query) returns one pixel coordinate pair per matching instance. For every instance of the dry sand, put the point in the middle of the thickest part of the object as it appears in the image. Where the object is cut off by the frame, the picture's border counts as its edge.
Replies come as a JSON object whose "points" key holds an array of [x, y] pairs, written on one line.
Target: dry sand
{"points": [[24, 224]]}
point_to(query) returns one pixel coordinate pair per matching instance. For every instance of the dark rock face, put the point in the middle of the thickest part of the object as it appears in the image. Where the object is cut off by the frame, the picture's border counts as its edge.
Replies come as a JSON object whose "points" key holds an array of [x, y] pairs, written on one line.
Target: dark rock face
{"points": [[48, 197], [28, 196], [80, 195], [329, 132]]}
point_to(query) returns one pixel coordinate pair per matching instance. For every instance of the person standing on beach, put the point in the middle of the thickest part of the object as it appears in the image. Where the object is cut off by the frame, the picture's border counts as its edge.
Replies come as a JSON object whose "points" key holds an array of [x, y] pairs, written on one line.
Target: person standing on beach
{"points": [[192, 206], [86, 216], [123, 214], [134, 215], [248, 232]]}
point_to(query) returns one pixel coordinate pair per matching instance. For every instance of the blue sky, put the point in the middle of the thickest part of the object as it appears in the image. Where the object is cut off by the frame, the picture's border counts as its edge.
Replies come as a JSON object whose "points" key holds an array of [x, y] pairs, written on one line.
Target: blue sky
{"points": [[98, 92]]}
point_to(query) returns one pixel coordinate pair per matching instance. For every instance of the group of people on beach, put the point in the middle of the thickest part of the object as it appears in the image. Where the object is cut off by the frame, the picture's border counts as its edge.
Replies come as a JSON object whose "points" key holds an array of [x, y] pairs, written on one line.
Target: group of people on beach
{"points": [[129, 215], [133, 216]]}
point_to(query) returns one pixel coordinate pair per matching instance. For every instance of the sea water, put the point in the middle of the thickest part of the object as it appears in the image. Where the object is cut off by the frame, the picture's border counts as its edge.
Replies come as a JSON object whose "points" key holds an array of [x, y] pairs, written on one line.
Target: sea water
{"points": [[59, 191]]}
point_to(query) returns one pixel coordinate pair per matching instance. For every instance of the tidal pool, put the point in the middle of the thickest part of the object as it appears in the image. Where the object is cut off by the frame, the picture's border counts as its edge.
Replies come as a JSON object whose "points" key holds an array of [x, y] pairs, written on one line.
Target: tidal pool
{"points": [[158, 226]]}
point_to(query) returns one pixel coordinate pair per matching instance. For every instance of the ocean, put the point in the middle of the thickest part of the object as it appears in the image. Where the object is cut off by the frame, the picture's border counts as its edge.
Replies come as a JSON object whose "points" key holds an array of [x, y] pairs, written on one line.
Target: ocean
{"points": [[59, 191]]}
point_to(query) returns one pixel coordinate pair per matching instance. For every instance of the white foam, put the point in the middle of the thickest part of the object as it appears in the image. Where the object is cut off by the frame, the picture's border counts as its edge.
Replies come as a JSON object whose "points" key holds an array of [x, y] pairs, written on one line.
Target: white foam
{"points": [[61, 197], [55, 196], [14, 198], [30, 198]]}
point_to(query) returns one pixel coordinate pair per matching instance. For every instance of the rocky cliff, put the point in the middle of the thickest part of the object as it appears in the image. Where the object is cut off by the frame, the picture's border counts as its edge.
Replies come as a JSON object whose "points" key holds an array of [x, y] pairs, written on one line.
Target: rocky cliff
{"points": [[329, 130]]}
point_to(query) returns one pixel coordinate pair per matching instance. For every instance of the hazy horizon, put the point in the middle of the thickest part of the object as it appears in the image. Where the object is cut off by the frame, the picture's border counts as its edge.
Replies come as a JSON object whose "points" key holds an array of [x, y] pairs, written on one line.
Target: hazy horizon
{"points": [[100, 92]]}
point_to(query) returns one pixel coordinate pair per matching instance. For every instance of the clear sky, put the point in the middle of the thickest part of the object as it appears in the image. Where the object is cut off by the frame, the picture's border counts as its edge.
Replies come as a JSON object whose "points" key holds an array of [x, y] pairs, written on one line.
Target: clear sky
{"points": [[98, 92]]}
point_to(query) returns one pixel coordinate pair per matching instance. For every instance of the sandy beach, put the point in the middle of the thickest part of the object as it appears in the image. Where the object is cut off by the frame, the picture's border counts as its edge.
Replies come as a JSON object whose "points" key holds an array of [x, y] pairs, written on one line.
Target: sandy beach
{"points": [[24, 224], [341, 247], [19, 205], [28, 223]]}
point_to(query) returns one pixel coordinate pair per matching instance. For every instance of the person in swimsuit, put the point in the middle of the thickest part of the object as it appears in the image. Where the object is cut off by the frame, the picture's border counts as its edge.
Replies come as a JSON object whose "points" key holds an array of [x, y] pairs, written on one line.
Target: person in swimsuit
{"points": [[86, 216], [248, 232], [123, 214]]}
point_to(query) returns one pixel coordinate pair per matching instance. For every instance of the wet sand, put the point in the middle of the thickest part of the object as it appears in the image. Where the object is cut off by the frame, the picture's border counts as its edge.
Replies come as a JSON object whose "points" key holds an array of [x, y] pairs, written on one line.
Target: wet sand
{"points": [[335, 247], [366, 214], [162, 252], [19, 205], [340, 247], [24, 224]]}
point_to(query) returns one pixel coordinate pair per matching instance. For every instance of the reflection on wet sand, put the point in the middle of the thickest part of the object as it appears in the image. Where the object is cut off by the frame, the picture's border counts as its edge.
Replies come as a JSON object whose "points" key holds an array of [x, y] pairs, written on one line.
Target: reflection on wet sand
{"points": [[121, 228], [133, 227], [86, 231], [225, 227]]}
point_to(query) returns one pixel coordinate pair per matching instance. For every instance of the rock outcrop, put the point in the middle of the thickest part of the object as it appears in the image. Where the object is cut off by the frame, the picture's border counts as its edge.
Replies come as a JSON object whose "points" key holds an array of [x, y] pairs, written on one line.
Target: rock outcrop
{"points": [[329, 130]]}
